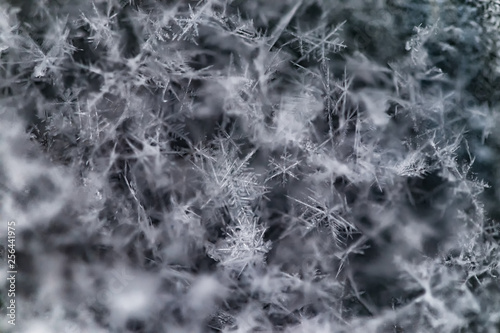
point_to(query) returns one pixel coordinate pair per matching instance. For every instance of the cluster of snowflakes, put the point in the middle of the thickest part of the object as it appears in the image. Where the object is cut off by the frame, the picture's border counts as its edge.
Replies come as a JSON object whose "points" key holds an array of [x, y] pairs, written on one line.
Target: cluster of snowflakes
{"points": [[244, 166]]}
